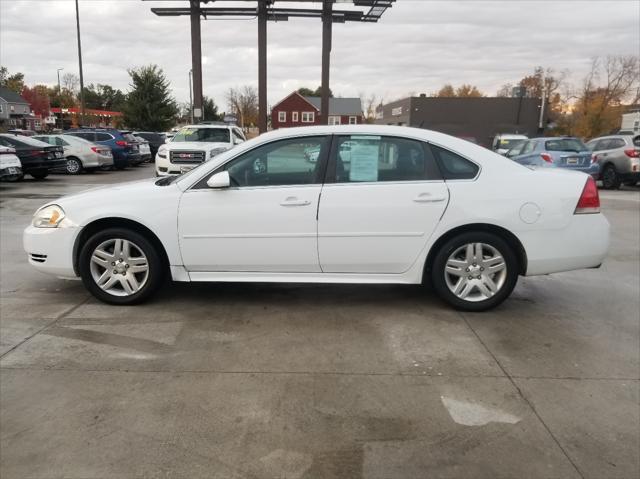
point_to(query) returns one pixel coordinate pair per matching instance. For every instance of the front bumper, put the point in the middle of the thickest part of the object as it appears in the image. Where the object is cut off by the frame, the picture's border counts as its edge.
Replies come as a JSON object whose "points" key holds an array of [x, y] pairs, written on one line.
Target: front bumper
{"points": [[50, 250]]}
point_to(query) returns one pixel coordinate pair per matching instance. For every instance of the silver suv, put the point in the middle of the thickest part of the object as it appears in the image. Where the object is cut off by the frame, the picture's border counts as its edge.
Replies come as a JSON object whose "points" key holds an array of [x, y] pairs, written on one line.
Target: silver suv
{"points": [[619, 159]]}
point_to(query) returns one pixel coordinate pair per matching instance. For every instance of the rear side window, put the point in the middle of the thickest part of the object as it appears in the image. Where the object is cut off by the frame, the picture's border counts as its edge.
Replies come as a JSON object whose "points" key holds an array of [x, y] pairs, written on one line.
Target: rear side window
{"points": [[103, 137], [454, 166], [616, 143], [85, 135], [370, 158], [636, 141]]}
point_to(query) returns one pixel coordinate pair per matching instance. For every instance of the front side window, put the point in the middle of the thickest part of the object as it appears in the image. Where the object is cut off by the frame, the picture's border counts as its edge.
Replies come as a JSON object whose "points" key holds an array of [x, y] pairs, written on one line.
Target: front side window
{"points": [[370, 158], [282, 116], [209, 135], [280, 163], [308, 117], [454, 166]]}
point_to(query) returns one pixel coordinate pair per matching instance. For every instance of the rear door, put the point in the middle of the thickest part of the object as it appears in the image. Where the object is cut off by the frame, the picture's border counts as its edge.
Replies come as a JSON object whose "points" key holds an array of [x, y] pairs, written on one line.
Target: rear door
{"points": [[382, 200]]}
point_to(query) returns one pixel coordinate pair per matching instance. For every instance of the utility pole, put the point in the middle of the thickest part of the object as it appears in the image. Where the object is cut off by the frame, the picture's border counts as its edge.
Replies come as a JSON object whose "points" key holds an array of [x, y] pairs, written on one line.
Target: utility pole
{"points": [[59, 98], [196, 59], [542, 107], [190, 97], [262, 65], [80, 65], [327, 21]]}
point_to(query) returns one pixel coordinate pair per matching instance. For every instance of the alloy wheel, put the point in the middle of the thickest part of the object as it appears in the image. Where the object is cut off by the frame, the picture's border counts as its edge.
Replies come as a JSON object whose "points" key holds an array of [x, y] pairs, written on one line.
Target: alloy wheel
{"points": [[73, 166], [119, 267], [475, 272]]}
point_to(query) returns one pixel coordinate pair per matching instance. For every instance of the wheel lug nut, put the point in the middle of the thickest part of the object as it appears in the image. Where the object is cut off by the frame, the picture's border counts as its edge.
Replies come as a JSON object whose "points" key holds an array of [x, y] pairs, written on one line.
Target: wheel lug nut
{"points": [[481, 268], [126, 265], [115, 272], [470, 277], [113, 263]]}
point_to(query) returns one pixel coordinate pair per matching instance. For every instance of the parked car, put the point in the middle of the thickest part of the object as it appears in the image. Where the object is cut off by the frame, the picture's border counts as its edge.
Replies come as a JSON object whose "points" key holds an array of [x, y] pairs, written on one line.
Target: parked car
{"points": [[123, 146], [10, 166], [504, 142], [619, 159], [155, 140], [20, 131], [38, 158], [143, 146], [556, 152], [411, 204], [80, 154], [195, 144]]}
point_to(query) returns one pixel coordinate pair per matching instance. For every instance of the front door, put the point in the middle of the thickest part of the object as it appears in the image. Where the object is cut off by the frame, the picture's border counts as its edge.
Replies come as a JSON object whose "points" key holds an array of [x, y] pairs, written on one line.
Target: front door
{"points": [[266, 221], [382, 200]]}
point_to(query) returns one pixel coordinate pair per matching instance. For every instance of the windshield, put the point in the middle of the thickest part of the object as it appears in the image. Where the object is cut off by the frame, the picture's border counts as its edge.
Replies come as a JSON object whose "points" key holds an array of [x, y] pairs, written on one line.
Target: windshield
{"points": [[566, 144], [508, 144], [209, 135]]}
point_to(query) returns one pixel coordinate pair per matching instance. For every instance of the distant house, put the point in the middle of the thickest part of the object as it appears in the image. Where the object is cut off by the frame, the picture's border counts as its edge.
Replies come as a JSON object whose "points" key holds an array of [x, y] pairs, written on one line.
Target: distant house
{"points": [[15, 111], [298, 110]]}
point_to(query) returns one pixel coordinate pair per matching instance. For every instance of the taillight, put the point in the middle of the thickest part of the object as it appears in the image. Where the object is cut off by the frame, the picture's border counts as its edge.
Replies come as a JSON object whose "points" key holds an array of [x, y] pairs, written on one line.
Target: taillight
{"points": [[631, 153], [37, 152], [546, 157], [122, 143], [589, 201], [94, 149]]}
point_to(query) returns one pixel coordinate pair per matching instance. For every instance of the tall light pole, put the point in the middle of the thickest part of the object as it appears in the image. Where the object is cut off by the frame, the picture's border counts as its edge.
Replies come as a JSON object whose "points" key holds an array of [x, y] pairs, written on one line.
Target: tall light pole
{"points": [[190, 96], [80, 65], [60, 98]]}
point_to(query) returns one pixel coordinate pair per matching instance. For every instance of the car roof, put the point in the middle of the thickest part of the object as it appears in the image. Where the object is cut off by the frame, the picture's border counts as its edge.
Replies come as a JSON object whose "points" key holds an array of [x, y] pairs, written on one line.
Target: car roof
{"points": [[208, 125]]}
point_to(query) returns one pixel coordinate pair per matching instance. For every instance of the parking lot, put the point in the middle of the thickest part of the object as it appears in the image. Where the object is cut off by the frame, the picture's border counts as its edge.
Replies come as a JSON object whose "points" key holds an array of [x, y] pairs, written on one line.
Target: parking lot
{"points": [[318, 381]]}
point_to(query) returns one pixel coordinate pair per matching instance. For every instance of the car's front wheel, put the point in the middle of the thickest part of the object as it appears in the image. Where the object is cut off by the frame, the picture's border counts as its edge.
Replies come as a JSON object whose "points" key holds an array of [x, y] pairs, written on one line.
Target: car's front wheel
{"points": [[474, 271], [120, 266]]}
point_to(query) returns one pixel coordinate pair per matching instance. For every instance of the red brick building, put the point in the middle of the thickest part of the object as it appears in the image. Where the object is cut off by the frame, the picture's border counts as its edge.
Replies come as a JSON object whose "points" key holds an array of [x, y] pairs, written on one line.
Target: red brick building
{"points": [[298, 110]]}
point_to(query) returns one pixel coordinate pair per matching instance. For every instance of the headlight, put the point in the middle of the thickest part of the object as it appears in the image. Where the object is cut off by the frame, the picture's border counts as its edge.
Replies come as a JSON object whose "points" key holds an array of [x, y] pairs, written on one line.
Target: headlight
{"points": [[162, 154], [217, 151], [48, 217]]}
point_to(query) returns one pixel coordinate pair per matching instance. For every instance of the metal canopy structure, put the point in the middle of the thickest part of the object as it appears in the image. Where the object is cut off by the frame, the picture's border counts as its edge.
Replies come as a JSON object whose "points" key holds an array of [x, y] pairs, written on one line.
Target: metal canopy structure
{"points": [[266, 10]]}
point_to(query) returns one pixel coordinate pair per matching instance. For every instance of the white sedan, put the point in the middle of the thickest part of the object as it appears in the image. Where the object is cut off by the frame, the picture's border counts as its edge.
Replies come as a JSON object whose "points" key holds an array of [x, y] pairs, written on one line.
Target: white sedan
{"points": [[410, 205]]}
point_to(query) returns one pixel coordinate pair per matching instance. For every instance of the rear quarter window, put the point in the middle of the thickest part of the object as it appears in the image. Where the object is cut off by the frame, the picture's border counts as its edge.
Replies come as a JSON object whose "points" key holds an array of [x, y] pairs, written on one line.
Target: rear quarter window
{"points": [[454, 166]]}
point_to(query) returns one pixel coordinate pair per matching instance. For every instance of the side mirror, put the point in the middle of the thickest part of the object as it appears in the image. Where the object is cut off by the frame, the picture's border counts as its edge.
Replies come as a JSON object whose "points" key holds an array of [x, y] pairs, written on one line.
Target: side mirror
{"points": [[219, 180], [237, 141]]}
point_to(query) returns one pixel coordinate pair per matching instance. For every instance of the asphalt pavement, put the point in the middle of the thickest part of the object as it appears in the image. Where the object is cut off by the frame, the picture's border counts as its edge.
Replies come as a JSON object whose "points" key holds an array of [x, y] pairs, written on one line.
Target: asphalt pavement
{"points": [[318, 381]]}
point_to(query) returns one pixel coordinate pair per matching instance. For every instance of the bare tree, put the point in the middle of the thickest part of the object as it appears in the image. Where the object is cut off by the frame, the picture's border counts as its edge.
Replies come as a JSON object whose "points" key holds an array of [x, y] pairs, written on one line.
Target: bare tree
{"points": [[370, 105], [71, 82], [243, 103]]}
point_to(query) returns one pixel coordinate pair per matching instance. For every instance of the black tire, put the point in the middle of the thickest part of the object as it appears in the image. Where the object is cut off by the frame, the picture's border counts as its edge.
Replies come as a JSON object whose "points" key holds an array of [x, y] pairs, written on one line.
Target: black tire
{"points": [[73, 166], [39, 174], [156, 267], [439, 276], [610, 178]]}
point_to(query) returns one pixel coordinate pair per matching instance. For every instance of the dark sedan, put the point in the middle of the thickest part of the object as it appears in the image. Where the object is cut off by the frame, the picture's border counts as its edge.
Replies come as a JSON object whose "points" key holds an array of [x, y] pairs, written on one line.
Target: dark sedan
{"points": [[37, 157]]}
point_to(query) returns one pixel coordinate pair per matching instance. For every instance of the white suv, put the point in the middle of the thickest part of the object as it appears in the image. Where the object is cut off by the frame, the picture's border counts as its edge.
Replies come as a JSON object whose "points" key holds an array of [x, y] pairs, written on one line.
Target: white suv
{"points": [[195, 144]]}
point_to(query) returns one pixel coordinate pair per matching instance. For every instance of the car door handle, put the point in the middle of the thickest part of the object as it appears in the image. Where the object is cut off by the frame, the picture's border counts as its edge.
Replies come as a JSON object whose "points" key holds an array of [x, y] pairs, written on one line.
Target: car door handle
{"points": [[427, 198], [293, 201]]}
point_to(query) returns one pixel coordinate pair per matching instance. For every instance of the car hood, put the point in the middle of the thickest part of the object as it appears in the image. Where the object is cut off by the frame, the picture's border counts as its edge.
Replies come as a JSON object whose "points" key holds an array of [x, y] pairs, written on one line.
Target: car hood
{"points": [[107, 192], [195, 145]]}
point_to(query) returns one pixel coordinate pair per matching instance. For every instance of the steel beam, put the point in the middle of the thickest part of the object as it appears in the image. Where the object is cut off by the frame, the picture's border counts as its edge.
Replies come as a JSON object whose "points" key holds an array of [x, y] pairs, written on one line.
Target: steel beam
{"points": [[196, 58], [262, 66], [327, 21]]}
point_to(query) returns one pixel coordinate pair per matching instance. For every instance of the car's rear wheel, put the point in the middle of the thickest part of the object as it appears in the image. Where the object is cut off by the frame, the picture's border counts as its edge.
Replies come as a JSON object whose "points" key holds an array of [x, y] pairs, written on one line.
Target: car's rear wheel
{"points": [[120, 266], [39, 174], [610, 178], [74, 166], [474, 271]]}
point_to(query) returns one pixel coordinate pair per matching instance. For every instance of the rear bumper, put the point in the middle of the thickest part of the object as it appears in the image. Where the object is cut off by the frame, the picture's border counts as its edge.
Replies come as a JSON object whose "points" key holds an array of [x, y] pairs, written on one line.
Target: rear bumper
{"points": [[11, 172], [581, 244]]}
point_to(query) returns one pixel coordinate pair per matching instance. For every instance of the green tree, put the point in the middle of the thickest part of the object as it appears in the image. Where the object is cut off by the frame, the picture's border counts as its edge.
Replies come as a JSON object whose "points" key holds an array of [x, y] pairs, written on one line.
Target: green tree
{"points": [[149, 104], [13, 82], [210, 110], [304, 91]]}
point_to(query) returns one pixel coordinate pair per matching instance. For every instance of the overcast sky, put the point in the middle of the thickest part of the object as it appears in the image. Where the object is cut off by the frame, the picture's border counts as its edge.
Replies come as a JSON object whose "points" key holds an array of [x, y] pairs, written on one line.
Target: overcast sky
{"points": [[418, 45]]}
